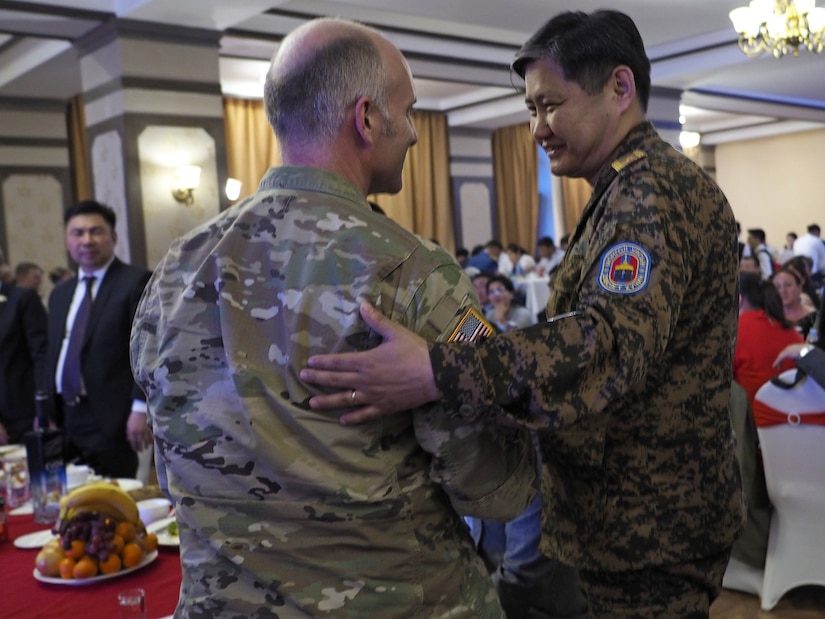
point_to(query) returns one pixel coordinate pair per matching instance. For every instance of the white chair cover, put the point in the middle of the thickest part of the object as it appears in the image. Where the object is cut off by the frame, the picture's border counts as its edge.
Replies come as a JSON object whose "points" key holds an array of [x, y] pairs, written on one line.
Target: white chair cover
{"points": [[794, 461]]}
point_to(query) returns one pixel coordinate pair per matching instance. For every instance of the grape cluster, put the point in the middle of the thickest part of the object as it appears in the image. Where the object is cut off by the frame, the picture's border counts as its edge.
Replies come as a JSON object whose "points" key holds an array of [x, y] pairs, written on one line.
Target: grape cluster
{"points": [[94, 529]]}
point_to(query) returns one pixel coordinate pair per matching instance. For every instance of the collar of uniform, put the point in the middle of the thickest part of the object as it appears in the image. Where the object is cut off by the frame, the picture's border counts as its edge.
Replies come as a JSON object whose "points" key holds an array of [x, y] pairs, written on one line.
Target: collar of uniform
{"points": [[311, 179]]}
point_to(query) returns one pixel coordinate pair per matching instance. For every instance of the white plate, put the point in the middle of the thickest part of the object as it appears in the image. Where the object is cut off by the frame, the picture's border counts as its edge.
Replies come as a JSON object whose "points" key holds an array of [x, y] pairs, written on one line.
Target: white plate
{"points": [[159, 528], [5, 449], [129, 484], [26, 509], [37, 539], [90, 581]]}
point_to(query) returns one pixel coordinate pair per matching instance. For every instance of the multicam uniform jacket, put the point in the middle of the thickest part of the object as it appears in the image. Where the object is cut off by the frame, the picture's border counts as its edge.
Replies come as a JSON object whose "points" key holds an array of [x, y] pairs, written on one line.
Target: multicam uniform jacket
{"points": [[282, 512], [630, 379]]}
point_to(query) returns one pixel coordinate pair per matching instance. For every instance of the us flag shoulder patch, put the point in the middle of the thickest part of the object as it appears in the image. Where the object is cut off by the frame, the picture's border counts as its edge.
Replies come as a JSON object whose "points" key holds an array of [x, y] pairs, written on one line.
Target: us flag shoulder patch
{"points": [[471, 328]]}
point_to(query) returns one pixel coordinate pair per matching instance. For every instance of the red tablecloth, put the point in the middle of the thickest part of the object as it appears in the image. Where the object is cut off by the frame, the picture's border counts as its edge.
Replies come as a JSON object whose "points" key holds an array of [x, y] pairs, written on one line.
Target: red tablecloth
{"points": [[24, 597]]}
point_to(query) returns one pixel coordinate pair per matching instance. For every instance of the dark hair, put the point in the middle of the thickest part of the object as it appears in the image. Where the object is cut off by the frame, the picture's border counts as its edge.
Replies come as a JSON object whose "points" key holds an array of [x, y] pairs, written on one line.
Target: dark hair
{"points": [[23, 268], [588, 48], [801, 265], [516, 248], [462, 252], [797, 276], [58, 273], [481, 274], [91, 207], [814, 229], [564, 239], [477, 249], [494, 243], [793, 234], [758, 234], [763, 295], [546, 241], [504, 281]]}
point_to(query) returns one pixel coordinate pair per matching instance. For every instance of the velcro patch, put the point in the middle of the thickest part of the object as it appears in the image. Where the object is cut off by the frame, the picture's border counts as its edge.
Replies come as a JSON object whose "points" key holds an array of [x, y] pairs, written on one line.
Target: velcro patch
{"points": [[624, 268], [471, 328]]}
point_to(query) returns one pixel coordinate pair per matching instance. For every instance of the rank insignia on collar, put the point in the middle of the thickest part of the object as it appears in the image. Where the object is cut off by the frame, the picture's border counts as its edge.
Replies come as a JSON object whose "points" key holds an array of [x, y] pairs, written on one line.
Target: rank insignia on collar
{"points": [[471, 328], [624, 268]]}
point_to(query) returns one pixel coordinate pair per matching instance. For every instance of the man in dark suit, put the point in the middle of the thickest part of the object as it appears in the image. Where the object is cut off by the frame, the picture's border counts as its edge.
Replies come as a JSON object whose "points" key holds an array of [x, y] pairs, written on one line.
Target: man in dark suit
{"points": [[22, 357], [102, 412]]}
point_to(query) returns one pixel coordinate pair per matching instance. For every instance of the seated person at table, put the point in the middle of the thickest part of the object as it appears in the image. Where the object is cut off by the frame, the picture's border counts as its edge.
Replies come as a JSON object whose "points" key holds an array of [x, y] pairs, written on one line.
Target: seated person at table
{"points": [[801, 265], [789, 284], [763, 333], [506, 314], [550, 256], [523, 263], [282, 511]]}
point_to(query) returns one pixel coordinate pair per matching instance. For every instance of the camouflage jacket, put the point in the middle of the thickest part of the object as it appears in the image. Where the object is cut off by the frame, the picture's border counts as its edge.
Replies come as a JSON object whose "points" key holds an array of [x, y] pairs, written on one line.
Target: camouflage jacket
{"points": [[283, 512], [630, 378]]}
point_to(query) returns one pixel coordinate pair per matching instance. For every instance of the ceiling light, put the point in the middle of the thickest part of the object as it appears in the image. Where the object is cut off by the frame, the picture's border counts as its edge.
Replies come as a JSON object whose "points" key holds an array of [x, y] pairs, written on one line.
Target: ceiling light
{"points": [[779, 27], [689, 139]]}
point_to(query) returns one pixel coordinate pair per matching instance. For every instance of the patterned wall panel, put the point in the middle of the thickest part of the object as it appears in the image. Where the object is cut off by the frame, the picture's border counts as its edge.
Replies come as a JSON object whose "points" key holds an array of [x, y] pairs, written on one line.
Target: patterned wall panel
{"points": [[34, 221], [109, 182], [161, 150]]}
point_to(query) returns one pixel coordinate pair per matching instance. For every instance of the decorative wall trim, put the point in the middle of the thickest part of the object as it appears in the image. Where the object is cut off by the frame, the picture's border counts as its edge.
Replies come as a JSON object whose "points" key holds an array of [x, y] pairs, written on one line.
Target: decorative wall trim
{"points": [[151, 84], [114, 29]]}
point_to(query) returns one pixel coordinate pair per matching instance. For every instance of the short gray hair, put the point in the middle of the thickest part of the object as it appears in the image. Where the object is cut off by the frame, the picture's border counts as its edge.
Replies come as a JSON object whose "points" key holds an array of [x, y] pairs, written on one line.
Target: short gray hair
{"points": [[310, 102]]}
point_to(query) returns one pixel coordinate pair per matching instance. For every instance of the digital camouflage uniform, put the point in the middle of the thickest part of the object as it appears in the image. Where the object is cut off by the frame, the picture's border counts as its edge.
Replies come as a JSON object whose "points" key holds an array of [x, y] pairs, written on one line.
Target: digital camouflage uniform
{"points": [[283, 512], [633, 386]]}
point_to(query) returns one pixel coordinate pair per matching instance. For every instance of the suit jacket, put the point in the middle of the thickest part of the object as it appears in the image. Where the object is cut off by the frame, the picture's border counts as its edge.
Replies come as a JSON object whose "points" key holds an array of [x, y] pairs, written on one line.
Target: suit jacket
{"points": [[22, 357], [104, 358]]}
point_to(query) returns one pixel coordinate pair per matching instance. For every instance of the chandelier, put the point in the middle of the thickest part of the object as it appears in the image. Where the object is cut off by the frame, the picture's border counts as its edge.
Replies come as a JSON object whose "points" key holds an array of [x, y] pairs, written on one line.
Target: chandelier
{"points": [[779, 27]]}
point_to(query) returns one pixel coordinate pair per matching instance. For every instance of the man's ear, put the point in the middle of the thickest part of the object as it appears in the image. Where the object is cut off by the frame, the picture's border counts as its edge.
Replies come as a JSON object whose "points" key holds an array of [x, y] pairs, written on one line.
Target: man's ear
{"points": [[365, 121], [623, 84]]}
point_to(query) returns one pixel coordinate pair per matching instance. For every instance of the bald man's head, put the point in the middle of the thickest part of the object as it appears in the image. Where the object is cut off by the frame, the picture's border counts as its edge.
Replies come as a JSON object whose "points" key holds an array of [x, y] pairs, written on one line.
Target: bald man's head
{"points": [[318, 72]]}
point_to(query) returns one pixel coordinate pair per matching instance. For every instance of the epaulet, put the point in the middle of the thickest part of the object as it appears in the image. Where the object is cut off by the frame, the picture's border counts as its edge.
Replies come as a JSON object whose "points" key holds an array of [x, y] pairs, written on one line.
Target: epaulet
{"points": [[626, 160]]}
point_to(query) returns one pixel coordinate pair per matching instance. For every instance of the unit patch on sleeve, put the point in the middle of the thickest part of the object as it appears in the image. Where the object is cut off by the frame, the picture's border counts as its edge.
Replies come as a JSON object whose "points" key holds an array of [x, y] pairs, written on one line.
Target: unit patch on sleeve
{"points": [[624, 268], [471, 328]]}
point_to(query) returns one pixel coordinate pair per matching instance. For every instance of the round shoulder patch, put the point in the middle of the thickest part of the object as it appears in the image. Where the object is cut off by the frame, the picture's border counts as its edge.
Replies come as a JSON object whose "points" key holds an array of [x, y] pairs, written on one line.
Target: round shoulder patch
{"points": [[624, 268]]}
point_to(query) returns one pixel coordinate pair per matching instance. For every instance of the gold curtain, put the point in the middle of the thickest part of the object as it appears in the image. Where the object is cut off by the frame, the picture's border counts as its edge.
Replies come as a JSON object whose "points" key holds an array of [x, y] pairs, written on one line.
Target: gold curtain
{"points": [[78, 150], [575, 192], [251, 147], [515, 169], [424, 205]]}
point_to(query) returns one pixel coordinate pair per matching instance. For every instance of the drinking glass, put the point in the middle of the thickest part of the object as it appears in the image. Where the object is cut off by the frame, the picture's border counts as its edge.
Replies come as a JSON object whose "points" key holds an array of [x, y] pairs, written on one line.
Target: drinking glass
{"points": [[132, 604], [16, 471]]}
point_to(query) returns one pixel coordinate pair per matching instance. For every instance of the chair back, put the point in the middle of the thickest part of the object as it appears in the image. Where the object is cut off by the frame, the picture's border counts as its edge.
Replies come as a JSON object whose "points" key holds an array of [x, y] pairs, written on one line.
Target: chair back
{"points": [[794, 462]]}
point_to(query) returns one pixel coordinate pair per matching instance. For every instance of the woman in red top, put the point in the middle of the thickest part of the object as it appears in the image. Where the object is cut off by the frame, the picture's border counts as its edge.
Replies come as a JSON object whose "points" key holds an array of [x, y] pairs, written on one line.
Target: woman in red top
{"points": [[763, 333]]}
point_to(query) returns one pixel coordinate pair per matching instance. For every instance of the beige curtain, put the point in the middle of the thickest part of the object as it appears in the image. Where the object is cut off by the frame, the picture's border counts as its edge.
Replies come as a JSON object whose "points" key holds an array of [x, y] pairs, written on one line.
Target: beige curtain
{"points": [[424, 205], [575, 194], [251, 147], [515, 169], [78, 150]]}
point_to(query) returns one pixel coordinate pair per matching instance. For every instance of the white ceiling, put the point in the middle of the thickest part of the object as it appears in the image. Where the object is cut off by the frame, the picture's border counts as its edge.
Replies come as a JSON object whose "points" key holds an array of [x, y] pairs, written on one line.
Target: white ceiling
{"points": [[459, 51]]}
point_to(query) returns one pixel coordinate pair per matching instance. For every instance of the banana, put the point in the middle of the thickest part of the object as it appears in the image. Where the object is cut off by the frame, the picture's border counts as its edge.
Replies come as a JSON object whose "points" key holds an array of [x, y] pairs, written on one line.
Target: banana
{"points": [[104, 497]]}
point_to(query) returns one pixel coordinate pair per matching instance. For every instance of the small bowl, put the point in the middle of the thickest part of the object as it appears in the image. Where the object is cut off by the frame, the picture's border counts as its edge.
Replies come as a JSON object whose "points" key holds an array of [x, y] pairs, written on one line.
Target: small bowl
{"points": [[151, 510]]}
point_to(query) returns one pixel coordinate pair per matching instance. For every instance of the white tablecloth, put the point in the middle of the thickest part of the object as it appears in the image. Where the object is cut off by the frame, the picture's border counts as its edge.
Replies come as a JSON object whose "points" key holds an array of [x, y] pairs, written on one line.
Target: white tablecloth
{"points": [[535, 290]]}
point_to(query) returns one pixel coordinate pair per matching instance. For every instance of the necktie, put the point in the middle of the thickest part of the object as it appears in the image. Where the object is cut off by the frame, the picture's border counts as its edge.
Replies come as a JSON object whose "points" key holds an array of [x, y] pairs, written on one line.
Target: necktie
{"points": [[72, 387]]}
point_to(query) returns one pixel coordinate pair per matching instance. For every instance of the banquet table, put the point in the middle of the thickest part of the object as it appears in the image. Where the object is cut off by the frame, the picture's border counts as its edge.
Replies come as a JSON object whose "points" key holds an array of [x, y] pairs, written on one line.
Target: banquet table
{"points": [[24, 597]]}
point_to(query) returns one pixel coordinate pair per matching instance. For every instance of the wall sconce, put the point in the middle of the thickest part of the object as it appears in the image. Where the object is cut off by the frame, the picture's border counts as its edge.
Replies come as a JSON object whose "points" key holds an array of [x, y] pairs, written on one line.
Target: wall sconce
{"points": [[233, 188], [187, 179]]}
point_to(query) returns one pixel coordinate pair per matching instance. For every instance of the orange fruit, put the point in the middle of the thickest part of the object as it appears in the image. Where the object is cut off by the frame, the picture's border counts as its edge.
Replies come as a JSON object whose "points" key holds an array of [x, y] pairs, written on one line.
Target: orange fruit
{"points": [[77, 550], [151, 542], [132, 555], [118, 544], [86, 567], [67, 568], [111, 565], [126, 530]]}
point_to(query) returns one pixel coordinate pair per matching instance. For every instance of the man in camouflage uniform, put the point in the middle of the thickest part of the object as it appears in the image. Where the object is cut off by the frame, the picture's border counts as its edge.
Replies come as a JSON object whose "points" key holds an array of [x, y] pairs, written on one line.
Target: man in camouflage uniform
{"points": [[628, 381], [283, 512]]}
